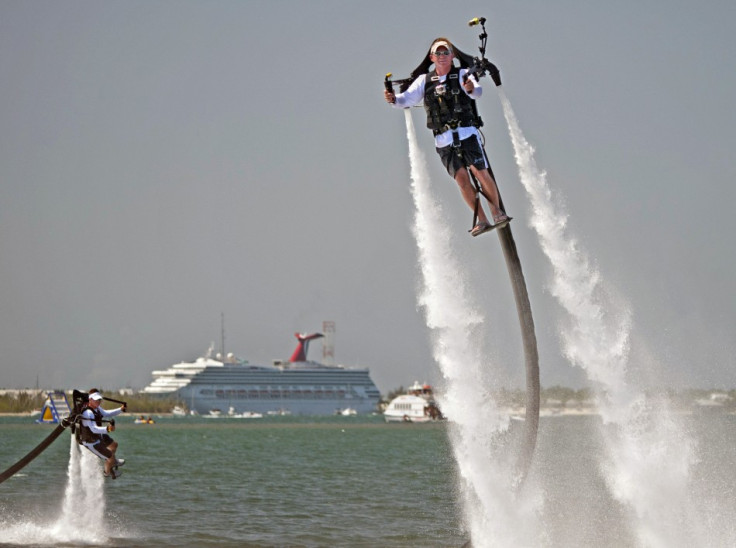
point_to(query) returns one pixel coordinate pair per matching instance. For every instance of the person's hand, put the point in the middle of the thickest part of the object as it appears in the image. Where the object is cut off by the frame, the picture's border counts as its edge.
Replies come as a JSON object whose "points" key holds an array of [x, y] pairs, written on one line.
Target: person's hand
{"points": [[124, 407], [111, 427], [468, 85], [389, 96]]}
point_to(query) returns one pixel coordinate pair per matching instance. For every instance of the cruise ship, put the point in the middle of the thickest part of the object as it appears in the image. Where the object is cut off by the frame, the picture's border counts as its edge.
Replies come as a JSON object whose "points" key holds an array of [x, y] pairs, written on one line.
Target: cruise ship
{"points": [[297, 387]]}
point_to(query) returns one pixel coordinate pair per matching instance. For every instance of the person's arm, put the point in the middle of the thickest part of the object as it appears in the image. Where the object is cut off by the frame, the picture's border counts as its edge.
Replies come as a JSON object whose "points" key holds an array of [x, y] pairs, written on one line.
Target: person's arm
{"points": [[414, 95], [111, 412], [471, 85], [88, 420]]}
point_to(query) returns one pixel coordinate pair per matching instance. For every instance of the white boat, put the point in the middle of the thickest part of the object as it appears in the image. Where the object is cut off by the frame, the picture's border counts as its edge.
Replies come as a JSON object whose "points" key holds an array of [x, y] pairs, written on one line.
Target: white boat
{"points": [[347, 412], [213, 414], [231, 414], [179, 411], [417, 405], [279, 412]]}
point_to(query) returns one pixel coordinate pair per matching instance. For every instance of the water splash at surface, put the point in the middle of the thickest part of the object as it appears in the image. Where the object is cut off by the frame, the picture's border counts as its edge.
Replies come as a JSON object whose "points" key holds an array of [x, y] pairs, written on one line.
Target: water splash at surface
{"points": [[81, 519]]}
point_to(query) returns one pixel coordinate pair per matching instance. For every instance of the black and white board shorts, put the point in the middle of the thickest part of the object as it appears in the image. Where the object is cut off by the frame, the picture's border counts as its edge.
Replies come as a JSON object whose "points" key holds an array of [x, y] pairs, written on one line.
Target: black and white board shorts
{"points": [[100, 448], [472, 152]]}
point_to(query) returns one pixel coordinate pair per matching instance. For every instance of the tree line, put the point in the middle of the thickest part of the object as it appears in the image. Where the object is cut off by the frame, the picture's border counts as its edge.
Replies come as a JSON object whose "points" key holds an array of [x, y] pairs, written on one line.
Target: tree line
{"points": [[564, 396], [27, 401], [32, 400]]}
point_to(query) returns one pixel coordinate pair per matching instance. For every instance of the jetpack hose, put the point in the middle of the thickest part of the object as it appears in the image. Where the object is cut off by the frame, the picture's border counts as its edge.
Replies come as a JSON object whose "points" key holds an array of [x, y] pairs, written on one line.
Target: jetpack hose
{"points": [[531, 355], [33, 454]]}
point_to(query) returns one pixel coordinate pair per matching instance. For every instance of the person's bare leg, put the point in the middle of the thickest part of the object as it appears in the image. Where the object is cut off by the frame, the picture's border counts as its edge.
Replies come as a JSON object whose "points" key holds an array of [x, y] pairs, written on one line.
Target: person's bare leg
{"points": [[468, 192], [488, 184], [110, 462]]}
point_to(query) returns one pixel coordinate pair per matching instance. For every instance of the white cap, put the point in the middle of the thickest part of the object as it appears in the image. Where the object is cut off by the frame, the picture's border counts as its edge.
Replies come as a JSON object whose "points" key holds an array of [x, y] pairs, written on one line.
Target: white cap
{"points": [[95, 396], [440, 44]]}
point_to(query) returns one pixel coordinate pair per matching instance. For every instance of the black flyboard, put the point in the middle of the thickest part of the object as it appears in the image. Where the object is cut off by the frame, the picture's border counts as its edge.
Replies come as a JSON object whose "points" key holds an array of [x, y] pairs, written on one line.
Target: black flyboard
{"points": [[492, 227]]}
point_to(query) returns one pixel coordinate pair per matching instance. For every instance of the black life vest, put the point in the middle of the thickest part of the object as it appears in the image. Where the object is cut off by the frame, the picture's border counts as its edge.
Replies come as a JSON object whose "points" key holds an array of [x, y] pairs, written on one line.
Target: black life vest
{"points": [[447, 104], [84, 433]]}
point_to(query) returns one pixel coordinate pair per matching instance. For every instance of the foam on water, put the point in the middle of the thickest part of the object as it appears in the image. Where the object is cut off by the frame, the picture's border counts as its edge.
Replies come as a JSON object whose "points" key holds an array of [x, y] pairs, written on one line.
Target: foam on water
{"points": [[494, 514]]}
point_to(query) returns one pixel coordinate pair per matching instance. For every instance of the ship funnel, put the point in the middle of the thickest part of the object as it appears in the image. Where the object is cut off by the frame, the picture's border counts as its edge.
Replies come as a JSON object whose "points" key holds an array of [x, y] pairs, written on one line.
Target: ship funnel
{"points": [[300, 353]]}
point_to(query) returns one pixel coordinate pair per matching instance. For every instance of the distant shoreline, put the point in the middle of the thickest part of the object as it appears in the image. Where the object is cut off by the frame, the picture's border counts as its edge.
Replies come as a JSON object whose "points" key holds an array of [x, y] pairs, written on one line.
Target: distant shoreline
{"points": [[520, 412], [131, 415]]}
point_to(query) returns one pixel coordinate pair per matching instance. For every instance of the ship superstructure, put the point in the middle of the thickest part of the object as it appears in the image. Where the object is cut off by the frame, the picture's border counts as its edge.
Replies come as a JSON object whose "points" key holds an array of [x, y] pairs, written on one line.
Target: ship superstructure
{"points": [[297, 386]]}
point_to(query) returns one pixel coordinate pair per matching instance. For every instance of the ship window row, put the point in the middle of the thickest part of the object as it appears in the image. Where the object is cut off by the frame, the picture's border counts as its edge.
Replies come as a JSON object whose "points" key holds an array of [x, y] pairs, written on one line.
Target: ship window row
{"points": [[403, 406], [294, 379], [278, 393]]}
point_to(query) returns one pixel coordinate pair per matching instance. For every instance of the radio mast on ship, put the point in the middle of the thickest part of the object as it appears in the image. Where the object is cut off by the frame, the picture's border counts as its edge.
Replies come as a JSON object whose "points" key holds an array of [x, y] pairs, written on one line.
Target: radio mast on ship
{"points": [[328, 345], [222, 333]]}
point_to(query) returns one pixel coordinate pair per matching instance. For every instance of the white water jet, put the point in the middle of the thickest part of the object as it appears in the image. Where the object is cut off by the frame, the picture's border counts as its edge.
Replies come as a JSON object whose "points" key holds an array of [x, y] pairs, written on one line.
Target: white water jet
{"points": [[648, 456], [82, 517], [495, 516]]}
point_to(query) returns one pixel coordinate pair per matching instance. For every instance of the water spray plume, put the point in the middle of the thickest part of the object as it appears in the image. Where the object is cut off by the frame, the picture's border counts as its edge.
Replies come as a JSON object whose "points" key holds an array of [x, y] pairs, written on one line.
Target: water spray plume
{"points": [[83, 510], [81, 519], [493, 514], [648, 456]]}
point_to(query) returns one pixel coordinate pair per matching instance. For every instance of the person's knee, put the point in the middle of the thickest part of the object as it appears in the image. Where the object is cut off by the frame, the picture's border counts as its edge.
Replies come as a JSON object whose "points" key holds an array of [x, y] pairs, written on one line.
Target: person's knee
{"points": [[464, 185], [462, 179], [486, 177]]}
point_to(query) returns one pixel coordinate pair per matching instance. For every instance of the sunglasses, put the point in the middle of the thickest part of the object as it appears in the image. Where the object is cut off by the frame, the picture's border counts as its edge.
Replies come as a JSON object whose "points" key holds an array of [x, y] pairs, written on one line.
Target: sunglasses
{"points": [[442, 52]]}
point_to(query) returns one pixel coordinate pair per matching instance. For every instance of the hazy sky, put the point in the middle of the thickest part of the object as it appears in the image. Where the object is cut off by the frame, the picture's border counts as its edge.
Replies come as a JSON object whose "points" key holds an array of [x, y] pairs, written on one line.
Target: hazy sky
{"points": [[164, 162]]}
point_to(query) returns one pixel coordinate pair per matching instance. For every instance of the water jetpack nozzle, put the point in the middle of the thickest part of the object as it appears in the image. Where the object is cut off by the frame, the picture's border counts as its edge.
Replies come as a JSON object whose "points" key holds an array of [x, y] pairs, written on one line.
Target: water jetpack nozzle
{"points": [[482, 65], [387, 82], [495, 74]]}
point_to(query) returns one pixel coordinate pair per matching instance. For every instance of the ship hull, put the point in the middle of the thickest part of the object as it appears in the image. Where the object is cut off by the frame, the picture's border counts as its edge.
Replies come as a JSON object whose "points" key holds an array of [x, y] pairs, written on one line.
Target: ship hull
{"points": [[275, 405]]}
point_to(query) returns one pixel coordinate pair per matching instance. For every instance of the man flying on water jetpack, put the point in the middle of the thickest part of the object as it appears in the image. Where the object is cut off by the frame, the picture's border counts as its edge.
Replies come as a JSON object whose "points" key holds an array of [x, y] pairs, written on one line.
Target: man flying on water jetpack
{"points": [[93, 434], [85, 421], [448, 93]]}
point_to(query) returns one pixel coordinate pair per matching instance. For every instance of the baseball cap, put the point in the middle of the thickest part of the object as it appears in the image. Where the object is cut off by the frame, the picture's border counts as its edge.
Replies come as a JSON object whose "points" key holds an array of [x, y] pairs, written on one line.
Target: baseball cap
{"points": [[440, 44]]}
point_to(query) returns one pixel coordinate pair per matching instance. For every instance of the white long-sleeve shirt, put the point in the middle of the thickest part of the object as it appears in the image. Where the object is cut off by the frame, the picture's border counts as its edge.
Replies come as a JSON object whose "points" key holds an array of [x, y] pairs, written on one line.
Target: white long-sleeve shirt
{"points": [[414, 95], [88, 419]]}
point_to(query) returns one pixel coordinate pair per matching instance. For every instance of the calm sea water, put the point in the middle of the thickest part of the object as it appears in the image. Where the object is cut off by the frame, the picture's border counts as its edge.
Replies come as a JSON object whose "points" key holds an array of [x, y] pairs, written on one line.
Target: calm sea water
{"points": [[337, 481]]}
